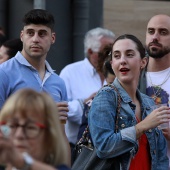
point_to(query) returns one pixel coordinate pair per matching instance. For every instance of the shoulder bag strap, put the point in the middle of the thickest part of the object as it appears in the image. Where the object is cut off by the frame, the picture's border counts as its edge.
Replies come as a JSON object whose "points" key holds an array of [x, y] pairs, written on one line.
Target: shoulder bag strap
{"points": [[118, 106], [85, 137]]}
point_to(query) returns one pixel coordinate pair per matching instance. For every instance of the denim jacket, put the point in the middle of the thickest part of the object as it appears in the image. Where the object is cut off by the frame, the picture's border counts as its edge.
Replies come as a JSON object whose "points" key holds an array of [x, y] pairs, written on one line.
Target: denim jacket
{"points": [[124, 144]]}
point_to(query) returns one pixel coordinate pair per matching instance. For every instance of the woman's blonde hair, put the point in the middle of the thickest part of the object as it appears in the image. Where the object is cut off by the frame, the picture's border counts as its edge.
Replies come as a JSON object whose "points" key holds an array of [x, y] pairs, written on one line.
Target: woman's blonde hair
{"points": [[26, 100]]}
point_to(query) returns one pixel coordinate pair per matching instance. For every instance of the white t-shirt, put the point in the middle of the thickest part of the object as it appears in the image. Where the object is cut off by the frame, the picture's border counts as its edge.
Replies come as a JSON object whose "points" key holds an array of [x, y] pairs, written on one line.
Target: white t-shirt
{"points": [[162, 92], [154, 87]]}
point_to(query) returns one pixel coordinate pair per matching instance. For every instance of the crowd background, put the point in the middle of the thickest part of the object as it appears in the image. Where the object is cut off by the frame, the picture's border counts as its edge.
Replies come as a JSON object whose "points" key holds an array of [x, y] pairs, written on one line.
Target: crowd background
{"points": [[70, 33], [68, 47]]}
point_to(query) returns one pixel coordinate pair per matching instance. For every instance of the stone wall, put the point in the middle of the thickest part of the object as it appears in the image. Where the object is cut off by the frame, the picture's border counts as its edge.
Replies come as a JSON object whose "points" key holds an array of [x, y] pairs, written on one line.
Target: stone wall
{"points": [[130, 16]]}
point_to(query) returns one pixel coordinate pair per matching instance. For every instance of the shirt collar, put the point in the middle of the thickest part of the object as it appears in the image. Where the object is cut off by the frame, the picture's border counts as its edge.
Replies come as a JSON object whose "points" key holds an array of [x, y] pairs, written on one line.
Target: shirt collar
{"points": [[125, 97], [21, 59], [90, 67]]}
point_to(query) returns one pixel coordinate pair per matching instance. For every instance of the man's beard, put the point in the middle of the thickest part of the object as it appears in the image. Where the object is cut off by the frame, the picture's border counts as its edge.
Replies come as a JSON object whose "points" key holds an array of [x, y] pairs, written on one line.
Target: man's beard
{"points": [[100, 65], [157, 53], [103, 56]]}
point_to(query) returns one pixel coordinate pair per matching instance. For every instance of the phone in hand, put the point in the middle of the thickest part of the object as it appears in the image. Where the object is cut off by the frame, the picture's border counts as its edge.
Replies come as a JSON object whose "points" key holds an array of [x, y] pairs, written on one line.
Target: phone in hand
{"points": [[5, 129]]}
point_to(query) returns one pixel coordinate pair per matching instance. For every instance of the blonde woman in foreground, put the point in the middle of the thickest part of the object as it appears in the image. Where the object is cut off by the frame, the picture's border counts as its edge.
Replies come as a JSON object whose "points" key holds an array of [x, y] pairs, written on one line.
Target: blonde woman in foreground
{"points": [[31, 136]]}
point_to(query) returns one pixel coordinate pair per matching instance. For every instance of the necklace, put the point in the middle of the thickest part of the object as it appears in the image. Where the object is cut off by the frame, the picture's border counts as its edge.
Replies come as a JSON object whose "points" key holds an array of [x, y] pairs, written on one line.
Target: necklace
{"points": [[158, 86], [156, 93]]}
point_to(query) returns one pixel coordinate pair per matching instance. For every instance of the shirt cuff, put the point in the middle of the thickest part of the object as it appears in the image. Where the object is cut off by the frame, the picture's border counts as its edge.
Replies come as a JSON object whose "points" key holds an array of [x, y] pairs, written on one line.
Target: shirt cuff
{"points": [[81, 103], [129, 134]]}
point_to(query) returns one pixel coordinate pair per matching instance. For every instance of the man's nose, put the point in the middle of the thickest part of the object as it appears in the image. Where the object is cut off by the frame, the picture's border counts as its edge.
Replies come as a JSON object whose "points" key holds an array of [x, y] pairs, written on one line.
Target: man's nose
{"points": [[36, 37], [155, 37]]}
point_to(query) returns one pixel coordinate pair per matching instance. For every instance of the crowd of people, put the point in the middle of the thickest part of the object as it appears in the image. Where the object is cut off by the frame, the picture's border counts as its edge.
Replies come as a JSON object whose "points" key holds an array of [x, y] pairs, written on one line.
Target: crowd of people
{"points": [[29, 69], [35, 102]]}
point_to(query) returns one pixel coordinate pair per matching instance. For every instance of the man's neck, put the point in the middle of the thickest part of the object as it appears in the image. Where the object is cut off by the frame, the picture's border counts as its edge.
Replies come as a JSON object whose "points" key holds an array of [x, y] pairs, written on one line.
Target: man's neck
{"points": [[159, 64], [37, 63], [40, 67]]}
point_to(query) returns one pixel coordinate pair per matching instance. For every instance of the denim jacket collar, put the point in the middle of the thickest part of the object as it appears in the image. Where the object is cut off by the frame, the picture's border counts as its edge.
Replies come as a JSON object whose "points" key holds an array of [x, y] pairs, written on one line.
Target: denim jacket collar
{"points": [[126, 98]]}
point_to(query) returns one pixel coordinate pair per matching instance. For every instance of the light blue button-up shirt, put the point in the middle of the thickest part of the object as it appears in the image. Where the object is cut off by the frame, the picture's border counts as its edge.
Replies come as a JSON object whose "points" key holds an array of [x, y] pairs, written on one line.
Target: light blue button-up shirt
{"points": [[17, 73]]}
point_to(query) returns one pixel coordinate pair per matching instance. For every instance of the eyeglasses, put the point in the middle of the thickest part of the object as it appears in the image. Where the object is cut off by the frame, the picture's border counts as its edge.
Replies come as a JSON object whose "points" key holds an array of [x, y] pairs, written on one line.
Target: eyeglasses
{"points": [[30, 129]]}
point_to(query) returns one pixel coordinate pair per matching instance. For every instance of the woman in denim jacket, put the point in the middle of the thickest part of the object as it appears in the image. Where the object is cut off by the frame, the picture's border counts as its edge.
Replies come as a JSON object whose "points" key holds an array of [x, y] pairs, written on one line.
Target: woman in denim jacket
{"points": [[139, 144]]}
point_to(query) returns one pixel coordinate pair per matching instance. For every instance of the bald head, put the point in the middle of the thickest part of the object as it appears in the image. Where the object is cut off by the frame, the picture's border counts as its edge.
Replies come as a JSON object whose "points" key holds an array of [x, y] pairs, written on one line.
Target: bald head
{"points": [[160, 19], [158, 36]]}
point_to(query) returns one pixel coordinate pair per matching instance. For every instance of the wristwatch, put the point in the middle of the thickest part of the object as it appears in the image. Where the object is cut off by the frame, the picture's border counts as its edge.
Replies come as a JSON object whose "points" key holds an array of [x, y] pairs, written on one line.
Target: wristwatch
{"points": [[28, 161]]}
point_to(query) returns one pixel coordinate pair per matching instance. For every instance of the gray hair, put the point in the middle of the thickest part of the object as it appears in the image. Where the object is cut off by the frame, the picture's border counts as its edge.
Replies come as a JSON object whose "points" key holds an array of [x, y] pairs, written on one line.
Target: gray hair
{"points": [[92, 39]]}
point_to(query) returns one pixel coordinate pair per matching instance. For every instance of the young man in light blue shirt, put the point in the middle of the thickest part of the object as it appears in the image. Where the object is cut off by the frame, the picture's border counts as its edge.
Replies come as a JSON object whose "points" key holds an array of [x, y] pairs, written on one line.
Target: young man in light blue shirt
{"points": [[29, 68]]}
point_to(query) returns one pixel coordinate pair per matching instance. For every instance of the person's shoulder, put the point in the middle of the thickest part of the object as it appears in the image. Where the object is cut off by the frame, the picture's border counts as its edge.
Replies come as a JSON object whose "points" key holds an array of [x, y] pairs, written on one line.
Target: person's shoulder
{"points": [[106, 90], [8, 65], [58, 78], [74, 65], [108, 87], [8, 62]]}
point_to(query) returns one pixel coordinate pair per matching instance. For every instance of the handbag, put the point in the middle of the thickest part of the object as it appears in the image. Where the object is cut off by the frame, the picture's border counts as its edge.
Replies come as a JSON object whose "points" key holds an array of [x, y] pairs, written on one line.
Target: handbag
{"points": [[85, 154]]}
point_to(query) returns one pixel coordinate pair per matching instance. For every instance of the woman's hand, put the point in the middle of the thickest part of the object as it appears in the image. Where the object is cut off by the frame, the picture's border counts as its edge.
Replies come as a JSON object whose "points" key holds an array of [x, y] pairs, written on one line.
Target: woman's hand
{"points": [[8, 153], [157, 117], [154, 119]]}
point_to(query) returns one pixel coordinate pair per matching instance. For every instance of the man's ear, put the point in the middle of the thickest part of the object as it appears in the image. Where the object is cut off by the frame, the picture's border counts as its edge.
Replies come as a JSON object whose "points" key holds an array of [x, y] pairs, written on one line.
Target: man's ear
{"points": [[89, 51], [21, 35], [53, 38]]}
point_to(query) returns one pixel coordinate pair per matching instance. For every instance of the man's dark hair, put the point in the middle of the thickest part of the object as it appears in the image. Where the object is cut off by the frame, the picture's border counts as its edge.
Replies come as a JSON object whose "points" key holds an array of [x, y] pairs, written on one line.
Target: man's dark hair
{"points": [[39, 17], [2, 39], [13, 45], [107, 68]]}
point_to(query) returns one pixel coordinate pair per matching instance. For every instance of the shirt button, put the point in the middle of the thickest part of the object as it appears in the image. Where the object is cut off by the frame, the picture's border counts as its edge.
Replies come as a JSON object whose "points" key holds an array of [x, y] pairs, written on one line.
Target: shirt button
{"points": [[122, 125]]}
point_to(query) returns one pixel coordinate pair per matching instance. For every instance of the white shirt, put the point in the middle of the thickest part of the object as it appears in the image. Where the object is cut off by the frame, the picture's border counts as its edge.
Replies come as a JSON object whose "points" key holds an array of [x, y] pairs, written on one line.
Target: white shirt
{"points": [[162, 91], [81, 81]]}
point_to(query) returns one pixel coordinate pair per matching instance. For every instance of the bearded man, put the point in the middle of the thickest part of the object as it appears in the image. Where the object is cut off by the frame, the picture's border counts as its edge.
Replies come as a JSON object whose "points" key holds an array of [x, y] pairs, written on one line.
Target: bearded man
{"points": [[155, 79]]}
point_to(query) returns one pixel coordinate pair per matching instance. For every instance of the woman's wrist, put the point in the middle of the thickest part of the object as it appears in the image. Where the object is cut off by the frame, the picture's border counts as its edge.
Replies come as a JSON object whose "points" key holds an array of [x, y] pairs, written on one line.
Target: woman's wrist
{"points": [[140, 130]]}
